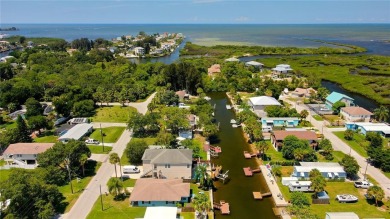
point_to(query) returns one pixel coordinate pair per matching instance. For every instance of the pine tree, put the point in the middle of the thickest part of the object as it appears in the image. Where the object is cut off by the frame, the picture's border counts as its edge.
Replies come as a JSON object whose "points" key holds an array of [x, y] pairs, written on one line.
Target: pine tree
{"points": [[23, 133]]}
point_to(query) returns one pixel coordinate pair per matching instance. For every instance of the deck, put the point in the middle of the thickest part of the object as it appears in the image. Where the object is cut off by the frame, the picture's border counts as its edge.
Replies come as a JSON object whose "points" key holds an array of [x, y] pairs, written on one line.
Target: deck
{"points": [[223, 206], [249, 171], [259, 195], [248, 155]]}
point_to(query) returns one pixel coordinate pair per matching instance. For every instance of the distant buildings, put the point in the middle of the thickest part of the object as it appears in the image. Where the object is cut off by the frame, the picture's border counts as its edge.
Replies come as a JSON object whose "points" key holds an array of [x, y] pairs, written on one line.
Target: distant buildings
{"points": [[303, 92], [328, 170], [355, 114], [139, 51], [24, 155], [232, 60], [260, 102], [214, 69], [255, 64], [365, 127], [335, 97]]}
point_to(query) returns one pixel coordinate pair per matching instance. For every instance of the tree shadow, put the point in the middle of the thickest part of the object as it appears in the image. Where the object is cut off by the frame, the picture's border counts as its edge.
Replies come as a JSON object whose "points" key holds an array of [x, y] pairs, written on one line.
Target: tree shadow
{"points": [[90, 167]]}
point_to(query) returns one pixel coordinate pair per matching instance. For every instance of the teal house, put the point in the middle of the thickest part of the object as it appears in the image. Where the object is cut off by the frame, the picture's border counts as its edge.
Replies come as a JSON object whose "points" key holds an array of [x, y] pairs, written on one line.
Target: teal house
{"points": [[279, 121], [335, 96]]}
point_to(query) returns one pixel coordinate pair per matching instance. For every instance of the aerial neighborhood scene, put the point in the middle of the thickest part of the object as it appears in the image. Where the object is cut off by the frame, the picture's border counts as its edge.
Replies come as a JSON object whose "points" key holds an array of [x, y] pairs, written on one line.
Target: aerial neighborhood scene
{"points": [[195, 109]]}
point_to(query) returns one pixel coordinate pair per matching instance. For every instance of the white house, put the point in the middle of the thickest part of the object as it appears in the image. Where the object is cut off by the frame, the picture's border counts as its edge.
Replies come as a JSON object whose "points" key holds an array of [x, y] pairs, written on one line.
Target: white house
{"points": [[139, 51], [260, 102], [282, 69], [355, 114], [24, 155], [77, 132], [364, 127], [328, 170], [300, 186], [341, 215], [232, 60], [254, 64], [168, 163]]}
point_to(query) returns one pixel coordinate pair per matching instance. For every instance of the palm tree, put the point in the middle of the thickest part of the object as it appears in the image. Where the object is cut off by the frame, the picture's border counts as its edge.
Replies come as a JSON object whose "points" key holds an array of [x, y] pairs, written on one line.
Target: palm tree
{"points": [[304, 114], [202, 176], [202, 204], [377, 193], [262, 146], [381, 113], [114, 186], [83, 160], [114, 159], [299, 154]]}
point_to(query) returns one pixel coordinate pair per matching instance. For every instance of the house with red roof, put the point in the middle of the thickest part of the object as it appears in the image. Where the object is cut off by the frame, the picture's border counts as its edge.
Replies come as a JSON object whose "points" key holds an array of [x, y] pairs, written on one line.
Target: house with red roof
{"points": [[277, 137], [355, 114], [24, 155]]}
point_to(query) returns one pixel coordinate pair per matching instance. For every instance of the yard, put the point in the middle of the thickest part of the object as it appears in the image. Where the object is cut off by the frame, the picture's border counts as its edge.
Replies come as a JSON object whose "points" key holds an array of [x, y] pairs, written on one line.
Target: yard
{"points": [[99, 149], [4, 175], [362, 208], [110, 134], [318, 118], [125, 160], [358, 144], [46, 137], [78, 187], [112, 114]]}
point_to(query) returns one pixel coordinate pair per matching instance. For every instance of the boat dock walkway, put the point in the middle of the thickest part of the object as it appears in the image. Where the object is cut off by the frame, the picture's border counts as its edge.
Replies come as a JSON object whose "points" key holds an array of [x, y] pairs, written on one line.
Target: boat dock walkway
{"points": [[259, 195], [274, 189], [249, 171]]}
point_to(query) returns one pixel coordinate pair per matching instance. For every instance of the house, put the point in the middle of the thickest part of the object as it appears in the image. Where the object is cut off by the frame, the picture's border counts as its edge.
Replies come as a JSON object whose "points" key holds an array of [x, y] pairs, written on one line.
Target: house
{"points": [[149, 192], [355, 114], [260, 102], [158, 212], [192, 120], [232, 60], [139, 51], [279, 121], [277, 137], [168, 163], [76, 132], [341, 215], [255, 64], [328, 170], [48, 109], [300, 186], [334, 97], [364, 127], [214, 69], [182, 95], [303, 92], [185, 134], [281, 69], [24, 155]]}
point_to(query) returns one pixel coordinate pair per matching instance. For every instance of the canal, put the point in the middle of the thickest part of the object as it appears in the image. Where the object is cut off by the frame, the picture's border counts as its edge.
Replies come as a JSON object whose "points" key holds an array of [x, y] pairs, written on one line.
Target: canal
{"points": [[238, 191]]}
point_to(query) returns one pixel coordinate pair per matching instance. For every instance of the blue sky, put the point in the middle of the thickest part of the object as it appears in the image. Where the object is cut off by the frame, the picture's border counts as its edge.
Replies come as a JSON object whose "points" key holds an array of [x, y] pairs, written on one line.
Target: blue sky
{"points": [[195, 11]]}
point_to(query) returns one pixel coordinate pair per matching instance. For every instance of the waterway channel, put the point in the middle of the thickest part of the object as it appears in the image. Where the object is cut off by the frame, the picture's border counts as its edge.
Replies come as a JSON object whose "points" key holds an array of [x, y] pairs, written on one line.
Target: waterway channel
{"points": [[238, 190]]}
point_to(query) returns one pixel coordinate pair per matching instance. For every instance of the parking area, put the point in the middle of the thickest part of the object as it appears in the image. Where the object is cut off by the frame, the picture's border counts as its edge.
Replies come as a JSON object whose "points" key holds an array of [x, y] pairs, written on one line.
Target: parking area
{"points": [[131, 175], [320, 109]]}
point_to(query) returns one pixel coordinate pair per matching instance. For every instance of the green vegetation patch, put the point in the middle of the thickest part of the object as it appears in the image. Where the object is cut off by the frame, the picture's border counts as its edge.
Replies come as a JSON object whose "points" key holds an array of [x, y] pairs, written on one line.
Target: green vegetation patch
{"points": [[4, 175], [127, 182], [46, 139], [99, 149], [110, 134], [149, 141], [358, 144], [318, 118], [113, 114]]}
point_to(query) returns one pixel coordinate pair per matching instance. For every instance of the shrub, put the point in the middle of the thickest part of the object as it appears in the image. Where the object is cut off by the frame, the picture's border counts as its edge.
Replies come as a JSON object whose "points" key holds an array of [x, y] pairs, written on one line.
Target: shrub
{"points": [[348, 134]]}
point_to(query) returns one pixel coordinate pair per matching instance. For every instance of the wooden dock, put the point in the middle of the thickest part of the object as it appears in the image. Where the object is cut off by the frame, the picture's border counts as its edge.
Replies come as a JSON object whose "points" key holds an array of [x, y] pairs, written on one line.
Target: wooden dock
{"points": [[259, 195], [248, 155], [222, 206], [249, 171]]}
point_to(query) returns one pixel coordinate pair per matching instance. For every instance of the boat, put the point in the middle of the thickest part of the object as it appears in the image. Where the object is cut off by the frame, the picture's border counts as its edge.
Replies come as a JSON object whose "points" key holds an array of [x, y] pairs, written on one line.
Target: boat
{"points": [[346, 198], [228, 107], [207, 98], [232, 121]]}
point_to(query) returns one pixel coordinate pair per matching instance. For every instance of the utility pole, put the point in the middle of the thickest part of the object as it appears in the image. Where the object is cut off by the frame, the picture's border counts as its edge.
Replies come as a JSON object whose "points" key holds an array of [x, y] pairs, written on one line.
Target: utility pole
{"points": [[101, 134], [101, 197], [365, 172], [70, 178]]}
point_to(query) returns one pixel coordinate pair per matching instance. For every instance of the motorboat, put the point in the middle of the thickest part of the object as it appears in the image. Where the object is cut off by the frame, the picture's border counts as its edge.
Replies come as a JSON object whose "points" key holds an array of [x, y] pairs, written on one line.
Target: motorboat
{"points": [[232, 121], [346, 198]]}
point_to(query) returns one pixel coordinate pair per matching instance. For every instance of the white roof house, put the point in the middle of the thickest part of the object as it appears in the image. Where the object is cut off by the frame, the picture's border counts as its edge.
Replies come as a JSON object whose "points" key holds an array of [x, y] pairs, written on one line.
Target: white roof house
{"points": [[365, 127], [328, 170], [282, 68], [232, 60], [77, 132], [341, 215], [264, 101], [160, 212], [254, 63]]}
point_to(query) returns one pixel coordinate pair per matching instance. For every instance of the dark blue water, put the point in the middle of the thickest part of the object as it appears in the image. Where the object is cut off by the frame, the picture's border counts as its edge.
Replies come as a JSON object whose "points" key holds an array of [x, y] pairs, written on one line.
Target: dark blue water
{"points": [[371, 36]]}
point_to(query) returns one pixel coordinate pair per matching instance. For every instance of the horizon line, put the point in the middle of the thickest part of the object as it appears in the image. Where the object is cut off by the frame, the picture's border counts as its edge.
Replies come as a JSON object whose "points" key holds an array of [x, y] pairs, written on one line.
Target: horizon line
{"points": [[202, 23]]}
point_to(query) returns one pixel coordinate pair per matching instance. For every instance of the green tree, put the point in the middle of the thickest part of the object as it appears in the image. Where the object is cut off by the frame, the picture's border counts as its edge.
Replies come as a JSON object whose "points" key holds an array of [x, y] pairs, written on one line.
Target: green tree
{"points": [[326, 148], [337, 106], [115, 186], [165, 138], [382, 113], [299, 199], [290, 144], [202, 203], [114, 159], [84, 108], [318, 181], [174, 119], [34, 108], [322, 93], [304, 114], [203, 177], [83, 160], [135, 150], [137, 122], [299, 154], [37, 123], [22, 132], [348, 134], [62, 105], [376, 193], [351, 167], [262, 147]]}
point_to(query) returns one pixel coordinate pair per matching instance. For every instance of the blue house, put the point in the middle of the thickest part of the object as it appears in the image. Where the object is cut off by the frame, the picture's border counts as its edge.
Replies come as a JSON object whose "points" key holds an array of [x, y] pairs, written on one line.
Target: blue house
{"points": [[279, 121], [334, 97], [365, 127]]}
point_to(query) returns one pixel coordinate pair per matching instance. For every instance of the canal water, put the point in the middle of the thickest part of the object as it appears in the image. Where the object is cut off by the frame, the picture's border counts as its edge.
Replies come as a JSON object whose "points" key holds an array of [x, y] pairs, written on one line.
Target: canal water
{"points": [[238, 190]]}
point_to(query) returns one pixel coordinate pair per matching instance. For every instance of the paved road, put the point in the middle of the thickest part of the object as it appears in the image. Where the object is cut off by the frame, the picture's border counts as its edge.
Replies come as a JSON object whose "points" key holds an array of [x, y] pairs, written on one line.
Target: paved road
{"points": [[339, 145], [91, 193], [142, 107]]}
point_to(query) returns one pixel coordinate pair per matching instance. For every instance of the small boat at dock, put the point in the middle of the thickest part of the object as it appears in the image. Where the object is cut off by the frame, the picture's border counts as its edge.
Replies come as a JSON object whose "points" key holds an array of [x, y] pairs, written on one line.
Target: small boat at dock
{"points": [[228, 107], [232, 121]]}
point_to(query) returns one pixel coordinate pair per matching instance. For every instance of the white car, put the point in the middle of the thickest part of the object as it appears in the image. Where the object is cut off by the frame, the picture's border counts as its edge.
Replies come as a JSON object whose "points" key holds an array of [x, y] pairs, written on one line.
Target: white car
{"points": [[92, 141], [363, 184], [130, 169]]}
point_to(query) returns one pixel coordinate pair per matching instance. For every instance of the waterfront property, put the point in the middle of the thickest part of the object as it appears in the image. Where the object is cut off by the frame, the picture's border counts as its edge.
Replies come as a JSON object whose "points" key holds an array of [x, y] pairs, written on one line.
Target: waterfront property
{"points": [[77, 132], [255, 64], [277, 137], [160, 192], [281, 69], [355, 114], [279, 122], [329, 170], [341, 215], [168, 163], [365, 127], [24, 155], [335, 97], [232, 60], [139, 51], [213, 70], [303, 92], [259, 103]]}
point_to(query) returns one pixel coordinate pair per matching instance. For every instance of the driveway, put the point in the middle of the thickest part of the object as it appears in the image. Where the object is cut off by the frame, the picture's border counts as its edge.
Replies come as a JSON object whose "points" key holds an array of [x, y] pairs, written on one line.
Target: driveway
{"points": [[339, 145]]}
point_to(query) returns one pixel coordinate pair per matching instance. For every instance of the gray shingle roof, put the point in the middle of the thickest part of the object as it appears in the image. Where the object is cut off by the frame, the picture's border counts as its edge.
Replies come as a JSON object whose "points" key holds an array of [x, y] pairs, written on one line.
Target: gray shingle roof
{"points": [[168, 156]]}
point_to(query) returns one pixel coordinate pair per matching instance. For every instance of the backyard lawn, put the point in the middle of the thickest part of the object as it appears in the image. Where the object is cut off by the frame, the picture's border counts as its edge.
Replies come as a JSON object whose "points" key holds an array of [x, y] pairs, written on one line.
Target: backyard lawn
{"points": [[112, 114], [78, 187], [125, 160], [99, 149], [4, 175], [110, 134], [2, 162], [358, 143], [46, 138]]}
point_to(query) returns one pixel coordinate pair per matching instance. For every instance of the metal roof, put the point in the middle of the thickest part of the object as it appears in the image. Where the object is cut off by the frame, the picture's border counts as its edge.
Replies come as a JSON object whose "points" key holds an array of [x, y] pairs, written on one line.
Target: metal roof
{"points": [[168, 156], [77, 132], [334, 97]]}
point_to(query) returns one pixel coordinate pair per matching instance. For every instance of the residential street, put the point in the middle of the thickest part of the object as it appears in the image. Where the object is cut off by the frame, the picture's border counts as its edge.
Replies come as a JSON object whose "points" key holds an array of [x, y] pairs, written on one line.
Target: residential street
{"points": [[339, 145]]}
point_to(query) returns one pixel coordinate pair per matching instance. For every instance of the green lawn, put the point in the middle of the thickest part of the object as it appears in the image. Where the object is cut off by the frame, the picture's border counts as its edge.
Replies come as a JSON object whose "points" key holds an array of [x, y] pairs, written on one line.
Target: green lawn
{"points": [[358, 143], [387, 174], [110, 134], [46, 137], [187, 215], [361, 208], [78, 188], [337, 156], [125, 160], [318, 118], [99, 149], [2, 162], [129, 182], [4, 175], [115, 209], [112, 114]]}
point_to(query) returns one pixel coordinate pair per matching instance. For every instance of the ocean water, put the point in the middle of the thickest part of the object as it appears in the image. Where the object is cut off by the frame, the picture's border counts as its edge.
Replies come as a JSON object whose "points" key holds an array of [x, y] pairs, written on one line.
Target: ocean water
{"points": [[374, 37]]}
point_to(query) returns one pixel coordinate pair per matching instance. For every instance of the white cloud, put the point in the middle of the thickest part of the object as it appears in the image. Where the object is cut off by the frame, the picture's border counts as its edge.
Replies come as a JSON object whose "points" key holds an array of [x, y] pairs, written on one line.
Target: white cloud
{"points": [[242, 19]]}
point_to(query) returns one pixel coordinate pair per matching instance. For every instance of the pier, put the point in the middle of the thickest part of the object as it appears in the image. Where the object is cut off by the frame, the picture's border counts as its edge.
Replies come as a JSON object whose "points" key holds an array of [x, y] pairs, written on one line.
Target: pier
{"points": [[259, 195], [249, 171], [223, 206], [248, 155]]}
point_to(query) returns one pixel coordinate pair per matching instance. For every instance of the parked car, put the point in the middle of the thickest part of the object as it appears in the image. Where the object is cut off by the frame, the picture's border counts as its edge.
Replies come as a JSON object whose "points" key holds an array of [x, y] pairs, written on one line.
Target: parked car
{"points": [[363, 184], [130, 169], [92, 141]]}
